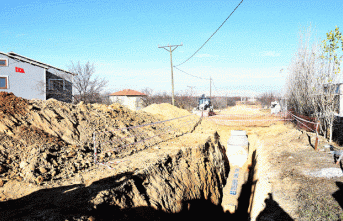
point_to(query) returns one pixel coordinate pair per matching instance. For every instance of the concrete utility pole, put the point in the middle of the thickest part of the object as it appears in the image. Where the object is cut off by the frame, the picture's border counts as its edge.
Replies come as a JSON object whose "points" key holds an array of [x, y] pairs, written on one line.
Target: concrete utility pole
{"points": [[210, 87], [171, 65]]}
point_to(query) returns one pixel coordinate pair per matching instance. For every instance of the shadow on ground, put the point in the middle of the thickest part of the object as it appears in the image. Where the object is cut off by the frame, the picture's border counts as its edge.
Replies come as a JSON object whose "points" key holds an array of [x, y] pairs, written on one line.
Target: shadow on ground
{"points": [[73, 202], [273, 211], [338, 195]]}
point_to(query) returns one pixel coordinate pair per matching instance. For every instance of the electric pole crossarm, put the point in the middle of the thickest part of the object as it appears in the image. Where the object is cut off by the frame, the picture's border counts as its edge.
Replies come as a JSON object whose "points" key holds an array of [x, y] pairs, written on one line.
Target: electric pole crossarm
{"points": [[171, 66], [175, 47], [166, 49], [170, 46]]}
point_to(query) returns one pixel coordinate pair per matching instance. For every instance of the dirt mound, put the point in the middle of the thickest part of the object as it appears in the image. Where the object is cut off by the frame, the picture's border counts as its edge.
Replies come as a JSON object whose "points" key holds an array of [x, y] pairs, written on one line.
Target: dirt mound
{"points": [[171, 183], [44, 140], [12, 105], [167, 111]]}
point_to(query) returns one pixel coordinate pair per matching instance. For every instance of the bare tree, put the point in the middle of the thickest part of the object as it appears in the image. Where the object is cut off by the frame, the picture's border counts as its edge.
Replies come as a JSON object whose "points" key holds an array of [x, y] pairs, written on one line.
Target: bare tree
{"points": [[186, 99], [267, 97], [327, 80], [301, 78], [149, 98], [312, 82], [88, 86]]}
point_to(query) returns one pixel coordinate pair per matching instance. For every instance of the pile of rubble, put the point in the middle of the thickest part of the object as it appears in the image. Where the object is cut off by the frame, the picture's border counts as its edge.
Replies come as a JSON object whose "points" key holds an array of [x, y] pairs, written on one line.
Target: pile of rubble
{"points": [[49, 140]]}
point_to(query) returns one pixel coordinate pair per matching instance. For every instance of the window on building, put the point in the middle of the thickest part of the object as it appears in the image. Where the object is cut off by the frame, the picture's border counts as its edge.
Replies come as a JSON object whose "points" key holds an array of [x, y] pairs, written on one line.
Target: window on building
{"points": [[57, 84], [3, 62], [3, 82]]}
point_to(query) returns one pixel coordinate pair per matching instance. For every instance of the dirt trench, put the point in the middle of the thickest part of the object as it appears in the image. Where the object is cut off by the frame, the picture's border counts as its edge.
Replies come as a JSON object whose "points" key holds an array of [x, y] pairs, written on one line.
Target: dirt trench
{"points": [[47, 170], [156, 184]]}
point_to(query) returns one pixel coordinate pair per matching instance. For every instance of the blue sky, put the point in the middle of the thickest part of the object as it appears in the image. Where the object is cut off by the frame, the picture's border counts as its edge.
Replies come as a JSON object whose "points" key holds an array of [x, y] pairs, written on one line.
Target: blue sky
{"points": [[121, 38]]}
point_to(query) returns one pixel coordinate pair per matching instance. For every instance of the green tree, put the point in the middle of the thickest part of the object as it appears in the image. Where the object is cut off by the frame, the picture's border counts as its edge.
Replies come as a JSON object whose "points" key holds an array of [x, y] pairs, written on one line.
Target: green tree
{"points": [[331, 48], [332, 58]]}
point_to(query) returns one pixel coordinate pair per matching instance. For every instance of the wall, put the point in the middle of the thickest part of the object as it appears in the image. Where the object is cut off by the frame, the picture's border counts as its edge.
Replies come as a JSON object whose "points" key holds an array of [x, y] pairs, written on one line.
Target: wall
{"points": [[131, 102], [25, 85], [55, 88]]}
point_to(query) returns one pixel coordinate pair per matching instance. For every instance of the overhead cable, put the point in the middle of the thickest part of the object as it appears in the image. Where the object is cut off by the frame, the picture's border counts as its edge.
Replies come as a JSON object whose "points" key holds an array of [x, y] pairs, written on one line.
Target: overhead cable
{"points": [[209, 37], [191, 74]]}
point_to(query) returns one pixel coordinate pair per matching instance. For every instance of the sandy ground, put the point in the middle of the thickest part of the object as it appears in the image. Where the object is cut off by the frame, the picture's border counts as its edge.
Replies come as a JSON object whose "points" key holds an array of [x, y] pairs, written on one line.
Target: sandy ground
{"points": [[287, 179], [290, 181]]}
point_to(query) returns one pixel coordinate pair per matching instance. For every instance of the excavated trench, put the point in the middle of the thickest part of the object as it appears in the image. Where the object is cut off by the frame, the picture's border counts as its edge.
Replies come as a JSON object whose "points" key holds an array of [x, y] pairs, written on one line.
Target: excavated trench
{"points": [[185, 183], [184, 178], [179, 180]]}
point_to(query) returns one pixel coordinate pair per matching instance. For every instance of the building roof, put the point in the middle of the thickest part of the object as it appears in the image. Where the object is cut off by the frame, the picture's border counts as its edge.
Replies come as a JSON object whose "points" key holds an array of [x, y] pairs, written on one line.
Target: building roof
{"points": [[33, 62], [127, 92]]}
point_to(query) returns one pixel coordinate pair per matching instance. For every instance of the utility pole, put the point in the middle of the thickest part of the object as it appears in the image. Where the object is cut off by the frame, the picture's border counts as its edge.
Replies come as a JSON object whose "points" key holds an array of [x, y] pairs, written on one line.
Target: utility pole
{"points": [[171, 65], [210, 87]]}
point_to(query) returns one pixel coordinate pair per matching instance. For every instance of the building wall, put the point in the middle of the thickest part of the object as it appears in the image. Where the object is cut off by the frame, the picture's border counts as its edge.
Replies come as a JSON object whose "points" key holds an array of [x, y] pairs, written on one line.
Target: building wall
{"points": [[58, 85], [27, 85], [131, 102], [340, 100]]}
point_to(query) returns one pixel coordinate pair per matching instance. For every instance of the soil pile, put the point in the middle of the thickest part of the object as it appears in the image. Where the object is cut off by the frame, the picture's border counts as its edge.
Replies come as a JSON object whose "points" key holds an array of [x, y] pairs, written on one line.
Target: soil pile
{"points": [[178, 183], [44, 140], [184, 120], [50, 143], [166, 111]]}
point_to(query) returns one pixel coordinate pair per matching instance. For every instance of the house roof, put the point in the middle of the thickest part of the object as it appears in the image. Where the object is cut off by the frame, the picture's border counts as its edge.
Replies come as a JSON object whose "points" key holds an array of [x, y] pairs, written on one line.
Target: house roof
{"points": [[128, 92], [33, 62]]}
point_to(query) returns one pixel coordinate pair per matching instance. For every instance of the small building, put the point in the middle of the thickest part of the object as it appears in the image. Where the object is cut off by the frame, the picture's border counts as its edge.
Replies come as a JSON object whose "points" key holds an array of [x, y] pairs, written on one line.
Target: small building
{"points": [[129, 98], [31, 79]]}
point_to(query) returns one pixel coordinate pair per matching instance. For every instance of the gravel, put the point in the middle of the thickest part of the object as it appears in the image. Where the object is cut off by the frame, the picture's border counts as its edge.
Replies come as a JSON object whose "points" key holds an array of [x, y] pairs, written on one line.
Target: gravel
{"points": [[327, 172]]}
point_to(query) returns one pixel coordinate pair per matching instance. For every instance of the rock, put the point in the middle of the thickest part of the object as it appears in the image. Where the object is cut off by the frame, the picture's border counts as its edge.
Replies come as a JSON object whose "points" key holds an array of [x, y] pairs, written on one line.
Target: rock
{"points": [[42, 170], [72, 154], [54, 163], [1, 183], [32, 167], [22, 164], [53, 173], [91, 218], [44, 156], [2, 169], [39, 179]]}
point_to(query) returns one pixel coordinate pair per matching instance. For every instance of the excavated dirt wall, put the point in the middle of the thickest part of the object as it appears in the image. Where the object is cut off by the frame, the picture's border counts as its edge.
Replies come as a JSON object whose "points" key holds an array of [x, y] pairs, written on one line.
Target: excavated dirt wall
{"points": [[44, 140], [47, 170], [157, 184]]}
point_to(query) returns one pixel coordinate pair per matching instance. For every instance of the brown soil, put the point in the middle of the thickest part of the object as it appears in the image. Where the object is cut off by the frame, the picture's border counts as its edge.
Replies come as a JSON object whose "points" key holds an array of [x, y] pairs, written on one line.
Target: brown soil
{"points": [[282, 187], [47, 170]]}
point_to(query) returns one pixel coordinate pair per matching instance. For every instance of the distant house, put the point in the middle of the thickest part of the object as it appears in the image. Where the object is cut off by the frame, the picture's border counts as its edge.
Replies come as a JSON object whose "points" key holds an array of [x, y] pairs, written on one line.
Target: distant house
{"points": [[31, 79], [129, 98]]}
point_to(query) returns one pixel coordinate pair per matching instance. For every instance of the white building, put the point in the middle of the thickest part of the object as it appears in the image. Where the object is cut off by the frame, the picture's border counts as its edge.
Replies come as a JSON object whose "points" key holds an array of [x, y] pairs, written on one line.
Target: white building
{"points": [[338, 92], [130, 98], [31, 79]]}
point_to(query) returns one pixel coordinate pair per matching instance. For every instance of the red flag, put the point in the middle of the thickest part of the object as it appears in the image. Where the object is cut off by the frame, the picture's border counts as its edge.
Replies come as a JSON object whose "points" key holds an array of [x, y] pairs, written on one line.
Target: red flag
{"points": [[20, 70]]}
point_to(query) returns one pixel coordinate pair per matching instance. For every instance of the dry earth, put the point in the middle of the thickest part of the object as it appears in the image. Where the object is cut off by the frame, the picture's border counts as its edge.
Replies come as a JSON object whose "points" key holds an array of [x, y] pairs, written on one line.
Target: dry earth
{"points": [[47, 170], [290, 181]]}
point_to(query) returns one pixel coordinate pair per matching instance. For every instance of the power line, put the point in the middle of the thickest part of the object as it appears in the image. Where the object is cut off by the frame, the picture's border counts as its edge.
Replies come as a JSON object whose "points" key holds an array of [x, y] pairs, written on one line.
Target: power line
{"points": [[210, 36], [191, 74]]}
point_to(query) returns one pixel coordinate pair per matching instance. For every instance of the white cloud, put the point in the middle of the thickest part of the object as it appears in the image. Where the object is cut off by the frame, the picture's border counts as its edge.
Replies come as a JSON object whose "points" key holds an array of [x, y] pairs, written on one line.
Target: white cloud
{"points": [[270, 54]]}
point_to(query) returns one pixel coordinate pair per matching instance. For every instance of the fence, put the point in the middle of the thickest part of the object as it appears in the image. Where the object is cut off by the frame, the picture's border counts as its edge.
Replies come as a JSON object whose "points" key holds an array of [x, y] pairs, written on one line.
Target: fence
{"points": [[115, 144], [248, 120], [263, 120], [304, 122], [109, 145]]}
